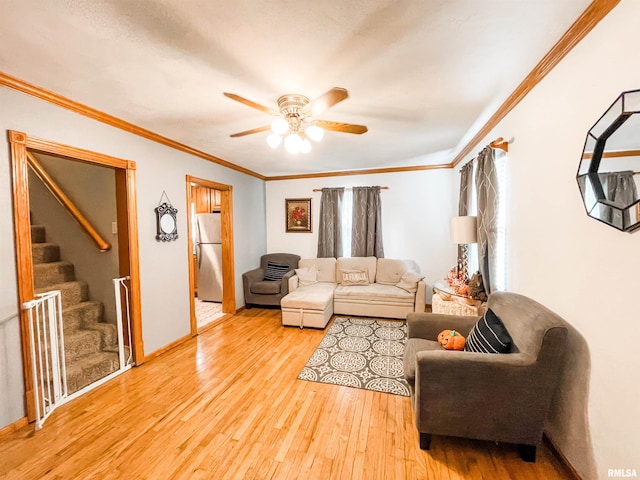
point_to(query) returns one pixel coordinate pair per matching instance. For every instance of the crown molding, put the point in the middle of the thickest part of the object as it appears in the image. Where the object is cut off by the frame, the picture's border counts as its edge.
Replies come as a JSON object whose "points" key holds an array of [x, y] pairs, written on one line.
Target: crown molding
{"points": [[371, 171], [76, 107]]}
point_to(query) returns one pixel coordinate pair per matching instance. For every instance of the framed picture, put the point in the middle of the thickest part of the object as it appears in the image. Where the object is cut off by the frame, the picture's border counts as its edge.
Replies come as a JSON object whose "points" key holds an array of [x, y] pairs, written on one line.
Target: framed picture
{"points": [[298, 211]]}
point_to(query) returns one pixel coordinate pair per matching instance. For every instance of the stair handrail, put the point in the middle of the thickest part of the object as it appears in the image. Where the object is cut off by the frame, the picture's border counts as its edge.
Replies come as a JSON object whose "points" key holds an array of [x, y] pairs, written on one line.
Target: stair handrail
{"points": [[66, 202]]}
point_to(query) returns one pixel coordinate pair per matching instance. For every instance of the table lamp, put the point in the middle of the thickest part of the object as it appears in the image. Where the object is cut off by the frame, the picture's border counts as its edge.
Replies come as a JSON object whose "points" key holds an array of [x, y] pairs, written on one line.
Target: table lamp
{"points": [[463, 231]]}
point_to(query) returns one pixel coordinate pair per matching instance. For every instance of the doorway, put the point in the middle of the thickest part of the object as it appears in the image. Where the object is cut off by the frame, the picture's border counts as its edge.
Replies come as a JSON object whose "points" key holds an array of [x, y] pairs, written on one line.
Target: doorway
{"points": [[28, 154], [211, 270]]}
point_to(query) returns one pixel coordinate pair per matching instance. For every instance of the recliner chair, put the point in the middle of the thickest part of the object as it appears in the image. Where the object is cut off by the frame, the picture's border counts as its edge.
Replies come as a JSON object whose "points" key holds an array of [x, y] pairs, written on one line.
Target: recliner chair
{"points": [[498, 397], [258, 291]]}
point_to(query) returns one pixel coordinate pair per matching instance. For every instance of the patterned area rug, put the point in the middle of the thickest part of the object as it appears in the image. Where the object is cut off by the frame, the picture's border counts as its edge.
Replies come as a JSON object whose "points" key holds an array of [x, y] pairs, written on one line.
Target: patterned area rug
{"points": [[361, 353]]}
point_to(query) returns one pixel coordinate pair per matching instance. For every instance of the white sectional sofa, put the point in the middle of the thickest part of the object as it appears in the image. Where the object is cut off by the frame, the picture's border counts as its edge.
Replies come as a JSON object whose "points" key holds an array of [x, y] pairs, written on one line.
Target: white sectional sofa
{"points": [[362, 286]]}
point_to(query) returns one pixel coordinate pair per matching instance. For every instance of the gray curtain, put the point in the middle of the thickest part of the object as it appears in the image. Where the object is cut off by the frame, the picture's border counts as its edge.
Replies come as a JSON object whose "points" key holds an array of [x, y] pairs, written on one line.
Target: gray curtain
{"points": [[330, 229], [463, 200], [487, 190], [366, 236]]}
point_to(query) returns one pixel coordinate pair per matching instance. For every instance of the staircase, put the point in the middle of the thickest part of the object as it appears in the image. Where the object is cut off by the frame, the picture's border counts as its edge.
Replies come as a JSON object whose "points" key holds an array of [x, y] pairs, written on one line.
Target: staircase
{"points": [[91, 345]]}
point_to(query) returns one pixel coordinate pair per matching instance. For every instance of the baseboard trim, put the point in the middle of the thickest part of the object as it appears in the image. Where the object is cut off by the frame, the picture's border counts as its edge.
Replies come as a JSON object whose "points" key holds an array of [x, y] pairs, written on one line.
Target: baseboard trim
{"points": [[561, 458], [167, 347], [12, 427]]}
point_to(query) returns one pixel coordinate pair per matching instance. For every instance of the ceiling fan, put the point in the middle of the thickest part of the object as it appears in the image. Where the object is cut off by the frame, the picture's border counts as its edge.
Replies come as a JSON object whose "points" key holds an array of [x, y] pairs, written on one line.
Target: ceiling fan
{"points": [[295, 120]]}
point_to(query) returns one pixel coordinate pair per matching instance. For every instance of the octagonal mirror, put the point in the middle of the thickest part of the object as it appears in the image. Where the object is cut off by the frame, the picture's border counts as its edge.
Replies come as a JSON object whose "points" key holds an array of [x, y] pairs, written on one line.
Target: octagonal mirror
{"points": [[609, 171]]}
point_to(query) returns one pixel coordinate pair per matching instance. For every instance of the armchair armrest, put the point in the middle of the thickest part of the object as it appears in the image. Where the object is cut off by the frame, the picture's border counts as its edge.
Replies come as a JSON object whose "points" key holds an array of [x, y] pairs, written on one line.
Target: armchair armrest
{"points": [[254, 275], [284, 286], [429, 325]]}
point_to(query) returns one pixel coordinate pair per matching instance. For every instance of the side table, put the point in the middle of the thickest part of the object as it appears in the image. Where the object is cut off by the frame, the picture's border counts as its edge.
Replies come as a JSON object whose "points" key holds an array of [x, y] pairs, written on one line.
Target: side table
{"points": [[444, 300]]}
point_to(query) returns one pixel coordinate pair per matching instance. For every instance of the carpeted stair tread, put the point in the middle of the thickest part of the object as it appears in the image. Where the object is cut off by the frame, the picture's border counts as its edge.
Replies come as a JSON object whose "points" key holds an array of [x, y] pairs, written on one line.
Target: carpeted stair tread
{"points": [[108, 334], [81, 343], [89, 369], [51, 273], [72, 292], [81, 314], [38, 234], [45, 252]]}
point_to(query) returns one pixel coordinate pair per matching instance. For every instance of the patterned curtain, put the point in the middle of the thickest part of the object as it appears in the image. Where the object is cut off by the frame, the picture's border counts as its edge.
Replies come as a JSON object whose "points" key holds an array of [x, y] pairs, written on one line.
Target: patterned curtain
{"points": [[463, 201], [366, 236], [487, 189], [330, 233]]}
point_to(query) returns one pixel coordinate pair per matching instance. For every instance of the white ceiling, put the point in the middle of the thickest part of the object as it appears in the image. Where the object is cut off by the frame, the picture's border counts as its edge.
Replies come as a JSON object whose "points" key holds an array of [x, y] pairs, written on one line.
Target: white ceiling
{"points": [[422, 75]]}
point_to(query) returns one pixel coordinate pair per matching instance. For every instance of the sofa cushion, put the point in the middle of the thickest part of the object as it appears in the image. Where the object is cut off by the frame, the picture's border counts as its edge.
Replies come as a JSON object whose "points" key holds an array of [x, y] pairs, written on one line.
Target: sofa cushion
{"points": [[275, 271], [311, 297], [409, 281], [307, 275], [389, 271], [352, 276], [357, 263], [265, 287], [412, 347], [325, 267], [373, 292], [489, 335]]}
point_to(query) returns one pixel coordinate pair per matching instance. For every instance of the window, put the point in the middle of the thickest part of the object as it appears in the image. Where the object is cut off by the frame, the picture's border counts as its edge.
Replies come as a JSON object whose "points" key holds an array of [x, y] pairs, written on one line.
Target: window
{"points": [[346, 212], [500, 274]]}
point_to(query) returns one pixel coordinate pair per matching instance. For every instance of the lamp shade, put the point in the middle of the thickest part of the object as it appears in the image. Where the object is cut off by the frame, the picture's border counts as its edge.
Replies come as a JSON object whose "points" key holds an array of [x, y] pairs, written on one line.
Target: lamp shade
{"points": [[464, 230]]}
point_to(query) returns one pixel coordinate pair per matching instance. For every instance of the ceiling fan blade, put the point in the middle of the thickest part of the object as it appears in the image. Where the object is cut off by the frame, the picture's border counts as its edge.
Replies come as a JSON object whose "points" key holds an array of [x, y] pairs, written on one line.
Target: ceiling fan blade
{"points": [[249, 132], [251, 104], [342, 127], [325, 101]]}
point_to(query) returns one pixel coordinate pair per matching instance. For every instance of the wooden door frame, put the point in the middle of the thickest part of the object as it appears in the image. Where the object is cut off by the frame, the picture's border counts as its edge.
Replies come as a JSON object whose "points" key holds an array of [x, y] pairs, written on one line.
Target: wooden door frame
{"points": [[226, 226], [20, 143]]}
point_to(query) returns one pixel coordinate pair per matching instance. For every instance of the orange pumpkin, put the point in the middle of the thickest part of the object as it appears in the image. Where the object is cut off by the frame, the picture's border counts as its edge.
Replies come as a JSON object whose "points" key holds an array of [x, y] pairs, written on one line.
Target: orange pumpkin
{"points": [[451, 340]]}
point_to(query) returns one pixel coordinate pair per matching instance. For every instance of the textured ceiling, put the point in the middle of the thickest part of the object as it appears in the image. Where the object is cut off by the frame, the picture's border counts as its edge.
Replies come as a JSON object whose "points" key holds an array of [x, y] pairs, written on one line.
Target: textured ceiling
{"points": [[422, 75]]}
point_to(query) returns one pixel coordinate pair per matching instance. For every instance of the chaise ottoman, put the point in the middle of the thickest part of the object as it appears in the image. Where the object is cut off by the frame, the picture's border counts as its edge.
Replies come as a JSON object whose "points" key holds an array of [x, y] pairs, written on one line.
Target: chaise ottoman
{"points": [[308, 306]]}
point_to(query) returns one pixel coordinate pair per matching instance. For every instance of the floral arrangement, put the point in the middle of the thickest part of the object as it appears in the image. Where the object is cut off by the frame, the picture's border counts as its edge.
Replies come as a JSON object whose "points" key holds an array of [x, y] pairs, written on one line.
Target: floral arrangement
{"points": [[298, 215], [457, 282]]}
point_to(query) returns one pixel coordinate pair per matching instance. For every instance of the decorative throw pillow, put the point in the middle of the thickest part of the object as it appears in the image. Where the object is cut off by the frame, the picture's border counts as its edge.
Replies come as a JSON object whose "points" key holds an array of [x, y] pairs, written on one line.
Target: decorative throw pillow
{"points": [[275, 271], [307, 275], [409, 281], [489, 335], [354, 277]]}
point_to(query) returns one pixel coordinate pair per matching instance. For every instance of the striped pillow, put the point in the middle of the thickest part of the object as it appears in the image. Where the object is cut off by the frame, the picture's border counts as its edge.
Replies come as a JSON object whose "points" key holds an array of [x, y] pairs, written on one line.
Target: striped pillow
{"points": [[489, 335], [275, 271]]}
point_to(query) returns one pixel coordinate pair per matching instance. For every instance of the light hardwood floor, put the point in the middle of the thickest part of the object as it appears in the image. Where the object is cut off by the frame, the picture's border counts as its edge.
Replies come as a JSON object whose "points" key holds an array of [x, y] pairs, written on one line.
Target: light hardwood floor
{"points": [[227, 405]]}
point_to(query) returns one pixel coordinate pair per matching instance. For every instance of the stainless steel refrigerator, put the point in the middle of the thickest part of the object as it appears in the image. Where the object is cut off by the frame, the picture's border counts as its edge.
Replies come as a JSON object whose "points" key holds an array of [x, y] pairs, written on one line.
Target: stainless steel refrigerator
{"points": [[209, 256]]}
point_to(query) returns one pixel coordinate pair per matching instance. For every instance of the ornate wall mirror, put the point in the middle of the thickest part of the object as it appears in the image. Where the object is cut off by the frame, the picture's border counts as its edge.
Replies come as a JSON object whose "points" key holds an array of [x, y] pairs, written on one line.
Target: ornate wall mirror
{"points": [[609, 172], [167, 226]]}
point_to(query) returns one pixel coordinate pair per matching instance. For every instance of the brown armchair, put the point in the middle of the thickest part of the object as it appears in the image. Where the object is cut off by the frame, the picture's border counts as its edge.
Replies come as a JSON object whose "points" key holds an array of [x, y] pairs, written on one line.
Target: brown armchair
{"points": [[258, 291], [497, 397]]}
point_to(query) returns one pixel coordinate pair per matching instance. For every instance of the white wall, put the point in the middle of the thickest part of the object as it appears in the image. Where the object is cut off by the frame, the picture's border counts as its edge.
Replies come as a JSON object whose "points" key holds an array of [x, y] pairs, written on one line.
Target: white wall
{"points": [[415, 216], [163, 265], [582, 269]]}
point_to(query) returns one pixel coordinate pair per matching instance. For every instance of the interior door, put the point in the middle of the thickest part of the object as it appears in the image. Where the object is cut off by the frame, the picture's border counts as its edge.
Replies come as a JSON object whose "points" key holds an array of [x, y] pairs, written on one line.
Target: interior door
{"points": [[206, 196]]}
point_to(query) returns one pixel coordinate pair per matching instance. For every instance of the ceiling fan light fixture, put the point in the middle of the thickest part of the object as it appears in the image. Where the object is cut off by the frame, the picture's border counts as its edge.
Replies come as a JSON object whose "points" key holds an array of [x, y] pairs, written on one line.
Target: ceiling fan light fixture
{"points": [[314, 132], [305, 146], [293, 143], [279, 125], [274, 140]]}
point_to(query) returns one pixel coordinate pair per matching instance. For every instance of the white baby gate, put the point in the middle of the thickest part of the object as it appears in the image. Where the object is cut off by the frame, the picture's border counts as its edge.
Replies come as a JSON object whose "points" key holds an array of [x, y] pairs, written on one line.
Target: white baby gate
{"points": [[46, 331], [47, 353]]}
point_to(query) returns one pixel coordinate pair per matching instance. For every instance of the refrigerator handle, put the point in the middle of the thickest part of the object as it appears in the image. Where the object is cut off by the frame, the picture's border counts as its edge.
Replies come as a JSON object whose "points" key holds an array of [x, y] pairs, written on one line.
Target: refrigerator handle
{"points": [[198, 256]]}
